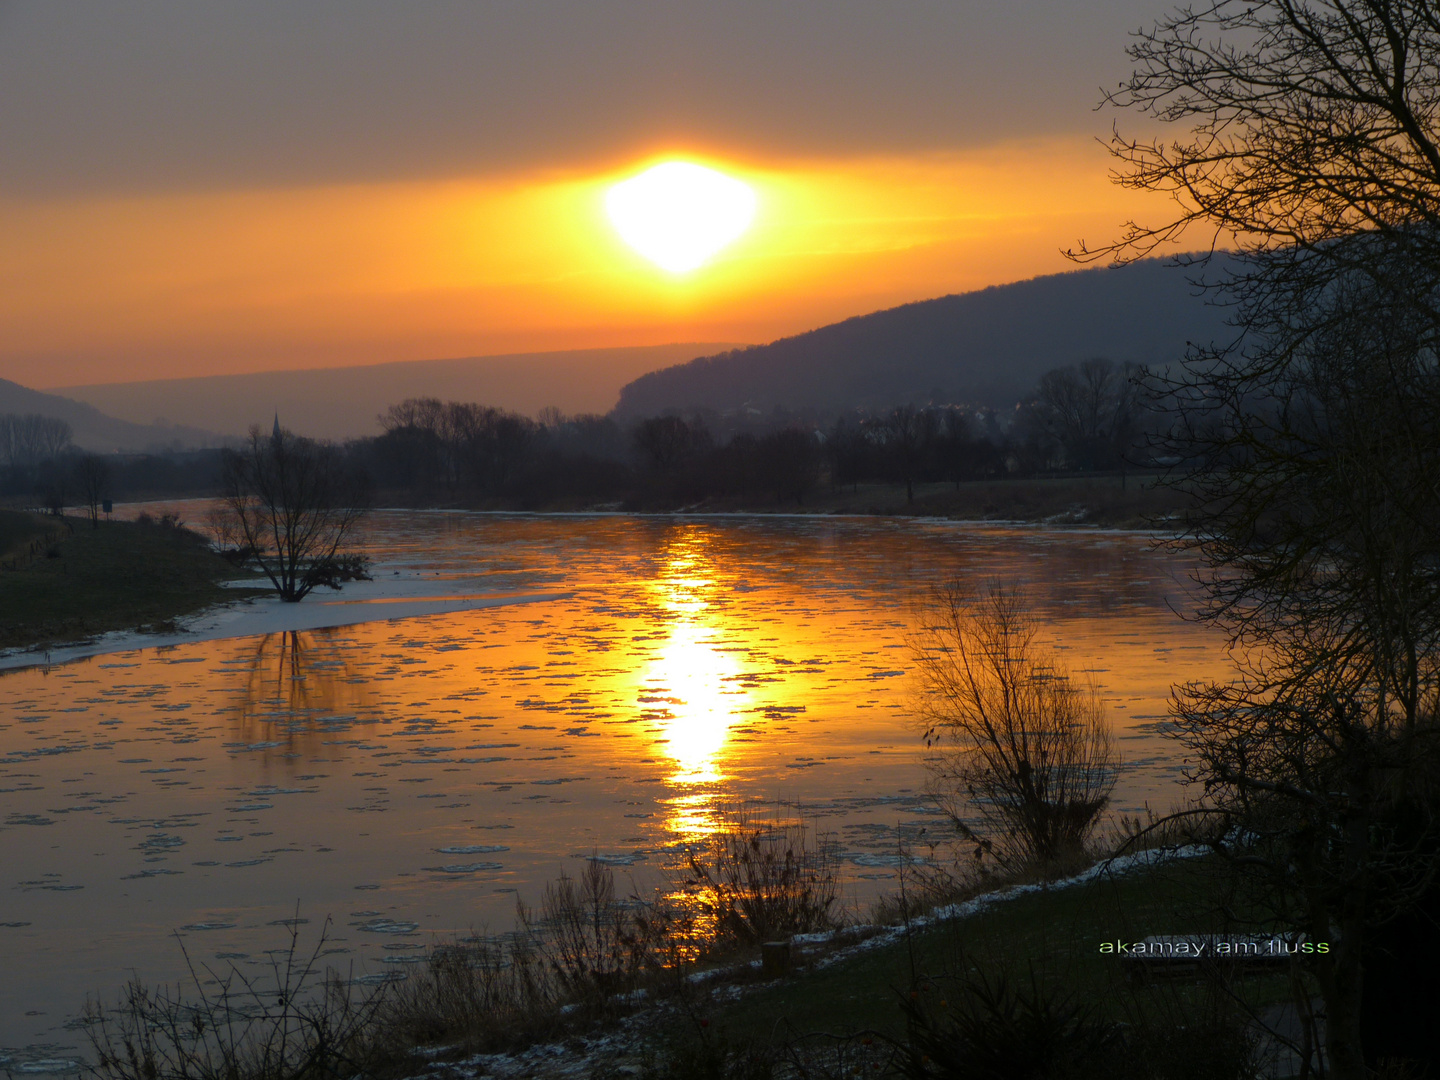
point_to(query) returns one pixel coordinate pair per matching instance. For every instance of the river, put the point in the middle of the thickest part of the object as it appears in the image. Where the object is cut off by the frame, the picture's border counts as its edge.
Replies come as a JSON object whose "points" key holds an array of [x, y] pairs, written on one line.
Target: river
{"points": [[409, 778]]}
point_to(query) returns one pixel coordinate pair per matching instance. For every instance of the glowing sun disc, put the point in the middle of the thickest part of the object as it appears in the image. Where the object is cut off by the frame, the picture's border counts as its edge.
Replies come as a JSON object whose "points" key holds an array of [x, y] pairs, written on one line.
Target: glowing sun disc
{"points": [[678, 214]]}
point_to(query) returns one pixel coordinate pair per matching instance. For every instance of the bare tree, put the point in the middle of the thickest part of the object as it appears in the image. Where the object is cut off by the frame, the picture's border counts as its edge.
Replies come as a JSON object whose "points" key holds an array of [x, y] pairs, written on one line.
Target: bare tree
{"points": [[1309, 119], [1312, 444], [1319, 530], [1025, 763], [49, 435], [1090, 409], [847, 446], [27, 440], [458, 443], [415, 440], [954, 446], [52, 479], [293, 504], [908, 433], [667, 442], [488, 444], [790, 461], [92, 474]]}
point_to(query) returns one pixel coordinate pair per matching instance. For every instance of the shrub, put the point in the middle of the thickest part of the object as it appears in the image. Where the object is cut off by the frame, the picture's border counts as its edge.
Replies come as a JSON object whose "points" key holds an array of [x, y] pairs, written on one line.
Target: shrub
{"points": [[593, 945], [1024, 761], [484, 995], [996, 1031], [993, 1029], [757, 882], [280, 1028]]}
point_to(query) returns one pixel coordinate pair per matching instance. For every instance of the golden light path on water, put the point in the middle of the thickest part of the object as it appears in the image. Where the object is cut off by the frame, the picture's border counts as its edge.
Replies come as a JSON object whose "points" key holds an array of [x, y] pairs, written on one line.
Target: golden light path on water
{"points": [[694, 685], [410, 778]]}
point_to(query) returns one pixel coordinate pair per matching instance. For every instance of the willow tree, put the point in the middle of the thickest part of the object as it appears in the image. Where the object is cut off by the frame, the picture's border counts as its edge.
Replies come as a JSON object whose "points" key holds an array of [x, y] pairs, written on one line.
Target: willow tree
{"points": [[1310, 155], [291, 504]]}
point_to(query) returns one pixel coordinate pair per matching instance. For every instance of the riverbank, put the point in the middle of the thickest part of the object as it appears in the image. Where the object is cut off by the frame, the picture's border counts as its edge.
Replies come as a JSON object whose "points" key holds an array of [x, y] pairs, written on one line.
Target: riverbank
{"points": [[1133, 502], [65, 581], [1022, 970]]}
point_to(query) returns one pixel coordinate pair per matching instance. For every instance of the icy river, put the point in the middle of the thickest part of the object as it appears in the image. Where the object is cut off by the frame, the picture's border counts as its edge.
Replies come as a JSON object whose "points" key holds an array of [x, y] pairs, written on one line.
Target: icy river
{"points": [[556, 688]]}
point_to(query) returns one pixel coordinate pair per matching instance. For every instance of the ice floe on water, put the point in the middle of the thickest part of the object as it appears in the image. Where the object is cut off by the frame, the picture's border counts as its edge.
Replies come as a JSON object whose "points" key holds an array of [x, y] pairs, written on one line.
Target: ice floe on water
{"points": [[872, 859], [46, 1066], [388, 926], [604, 859]]}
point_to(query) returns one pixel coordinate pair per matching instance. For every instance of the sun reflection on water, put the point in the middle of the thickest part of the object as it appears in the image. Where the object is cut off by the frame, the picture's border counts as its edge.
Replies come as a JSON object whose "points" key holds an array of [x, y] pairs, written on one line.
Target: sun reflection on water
{"points": [[692, 686]]}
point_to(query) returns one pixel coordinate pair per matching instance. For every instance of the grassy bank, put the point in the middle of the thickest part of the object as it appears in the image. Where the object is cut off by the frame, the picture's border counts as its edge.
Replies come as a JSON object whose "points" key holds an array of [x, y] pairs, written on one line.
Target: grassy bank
{"points": [[70, 581], [25, 537], [1054, 934], [554, 1004], [1018, 977]]}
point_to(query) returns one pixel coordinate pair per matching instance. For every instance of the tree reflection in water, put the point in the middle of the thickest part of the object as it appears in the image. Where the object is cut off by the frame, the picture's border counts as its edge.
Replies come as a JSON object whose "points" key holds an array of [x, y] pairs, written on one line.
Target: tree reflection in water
{"points": [[297, 694]]}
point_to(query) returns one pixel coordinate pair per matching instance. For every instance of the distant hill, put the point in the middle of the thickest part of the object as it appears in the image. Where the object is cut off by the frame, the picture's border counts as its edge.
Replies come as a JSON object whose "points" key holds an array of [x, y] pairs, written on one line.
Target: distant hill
{"points": [[984, 348], [93, 430], [339, 403]]}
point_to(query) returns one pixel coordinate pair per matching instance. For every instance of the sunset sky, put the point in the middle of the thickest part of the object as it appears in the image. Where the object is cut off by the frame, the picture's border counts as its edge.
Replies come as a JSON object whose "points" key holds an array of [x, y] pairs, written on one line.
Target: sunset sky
{"points": [[193, 188]]}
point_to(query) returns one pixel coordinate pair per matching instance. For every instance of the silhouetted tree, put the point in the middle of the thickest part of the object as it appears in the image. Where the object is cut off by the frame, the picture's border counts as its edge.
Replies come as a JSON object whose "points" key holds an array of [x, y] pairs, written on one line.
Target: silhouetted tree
{"points": [[490, 443], [955, 455], [593, 435], [847, 446], [53, 480], [92, 476], [791, 460], [293, 504], [1090, 410], [908, 432], [413, 443], [1311, 440], [27, 440], [665, 442]]}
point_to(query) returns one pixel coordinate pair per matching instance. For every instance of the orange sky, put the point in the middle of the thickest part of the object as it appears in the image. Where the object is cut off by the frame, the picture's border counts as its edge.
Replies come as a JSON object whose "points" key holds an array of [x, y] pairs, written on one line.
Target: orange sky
{"points": [[98, 289], [199, 188]]}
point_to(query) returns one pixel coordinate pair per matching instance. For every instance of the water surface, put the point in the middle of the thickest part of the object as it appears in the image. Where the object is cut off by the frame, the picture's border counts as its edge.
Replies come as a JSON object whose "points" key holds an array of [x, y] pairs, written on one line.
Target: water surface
{"points": [[410, 778]]}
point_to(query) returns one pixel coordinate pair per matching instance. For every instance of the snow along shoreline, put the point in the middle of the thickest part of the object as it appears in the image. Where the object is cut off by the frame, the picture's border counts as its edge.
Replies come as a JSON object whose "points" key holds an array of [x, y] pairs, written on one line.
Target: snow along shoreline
{"points": [[579, 1059], [382, 599]]}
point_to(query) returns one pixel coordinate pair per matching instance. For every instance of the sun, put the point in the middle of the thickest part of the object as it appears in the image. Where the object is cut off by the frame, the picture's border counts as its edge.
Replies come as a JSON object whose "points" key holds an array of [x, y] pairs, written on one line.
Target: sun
{"points": [[679, 215]]}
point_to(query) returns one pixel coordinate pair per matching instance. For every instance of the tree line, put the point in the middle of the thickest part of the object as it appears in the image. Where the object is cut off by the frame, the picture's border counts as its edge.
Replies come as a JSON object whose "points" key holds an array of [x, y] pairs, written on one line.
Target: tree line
{"points": [[41, 467], [1088, 417]]}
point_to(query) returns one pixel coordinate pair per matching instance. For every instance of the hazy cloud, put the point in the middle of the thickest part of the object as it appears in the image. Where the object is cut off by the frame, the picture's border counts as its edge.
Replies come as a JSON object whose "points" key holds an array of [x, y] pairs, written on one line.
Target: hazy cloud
{"points": [[185, 94]]}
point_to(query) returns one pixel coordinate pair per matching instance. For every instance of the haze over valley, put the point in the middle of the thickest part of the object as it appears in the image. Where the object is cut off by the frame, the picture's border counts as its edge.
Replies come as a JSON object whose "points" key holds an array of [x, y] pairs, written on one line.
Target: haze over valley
{"points": [[985, 348]]}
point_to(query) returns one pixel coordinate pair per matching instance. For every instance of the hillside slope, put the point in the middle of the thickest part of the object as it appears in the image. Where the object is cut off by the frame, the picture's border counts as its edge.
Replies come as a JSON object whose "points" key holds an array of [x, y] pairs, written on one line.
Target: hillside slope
{"points": [[985, 347], [94, 430]]}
